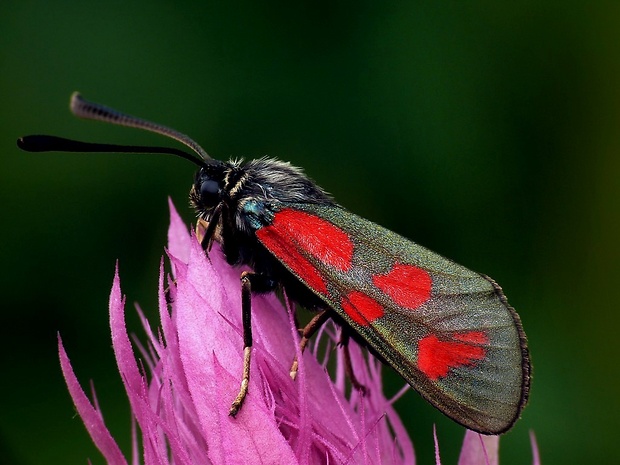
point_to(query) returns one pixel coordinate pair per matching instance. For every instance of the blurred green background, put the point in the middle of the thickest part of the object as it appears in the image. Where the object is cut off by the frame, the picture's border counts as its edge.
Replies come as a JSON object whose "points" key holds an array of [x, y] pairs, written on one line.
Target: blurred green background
{"points": [[487, 131]]}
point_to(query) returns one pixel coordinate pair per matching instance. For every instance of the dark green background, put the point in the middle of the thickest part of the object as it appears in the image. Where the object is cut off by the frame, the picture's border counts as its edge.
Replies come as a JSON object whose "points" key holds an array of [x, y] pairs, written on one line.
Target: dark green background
{"points": [[487, 131]]}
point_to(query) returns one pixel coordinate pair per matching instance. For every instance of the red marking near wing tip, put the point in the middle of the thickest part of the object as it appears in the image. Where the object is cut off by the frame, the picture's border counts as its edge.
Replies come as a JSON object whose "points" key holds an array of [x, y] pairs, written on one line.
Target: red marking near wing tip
{"points": [[362, 309], [407, 285], [316, 236], [436, 357], [287, 252]]}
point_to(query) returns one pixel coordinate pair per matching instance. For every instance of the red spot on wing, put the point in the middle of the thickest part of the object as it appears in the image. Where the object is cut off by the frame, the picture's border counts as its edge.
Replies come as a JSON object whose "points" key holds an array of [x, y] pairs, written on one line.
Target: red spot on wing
{"points": [[286, 251], [474, 337], [315, 236], [362, 309], [407, 285], [436, 357]]}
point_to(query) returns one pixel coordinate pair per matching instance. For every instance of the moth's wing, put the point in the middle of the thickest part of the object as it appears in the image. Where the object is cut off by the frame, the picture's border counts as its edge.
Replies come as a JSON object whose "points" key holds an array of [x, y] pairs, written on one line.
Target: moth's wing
{"points": [[447, 330]]}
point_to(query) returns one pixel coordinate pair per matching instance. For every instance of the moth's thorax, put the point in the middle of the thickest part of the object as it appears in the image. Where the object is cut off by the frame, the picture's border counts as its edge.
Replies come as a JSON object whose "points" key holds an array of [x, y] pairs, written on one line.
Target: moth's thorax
{"points": [[235, 199], [234, 185]]}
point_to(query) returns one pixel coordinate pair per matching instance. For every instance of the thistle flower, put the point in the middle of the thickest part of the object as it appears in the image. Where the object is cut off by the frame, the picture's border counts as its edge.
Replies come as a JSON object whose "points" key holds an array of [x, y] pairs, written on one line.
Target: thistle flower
{"points": [[182, 381]]}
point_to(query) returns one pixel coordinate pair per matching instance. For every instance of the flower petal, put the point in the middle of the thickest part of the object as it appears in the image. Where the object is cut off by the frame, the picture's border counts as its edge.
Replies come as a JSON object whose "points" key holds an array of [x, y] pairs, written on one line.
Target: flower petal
{"points": [[91, 417], [479, 449], [437, 458], [535, 453], [178, 236]]}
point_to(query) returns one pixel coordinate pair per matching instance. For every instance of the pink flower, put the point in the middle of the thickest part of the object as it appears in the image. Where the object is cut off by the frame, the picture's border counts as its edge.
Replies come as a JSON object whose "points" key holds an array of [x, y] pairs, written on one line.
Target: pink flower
{"points": [[181, 383]]}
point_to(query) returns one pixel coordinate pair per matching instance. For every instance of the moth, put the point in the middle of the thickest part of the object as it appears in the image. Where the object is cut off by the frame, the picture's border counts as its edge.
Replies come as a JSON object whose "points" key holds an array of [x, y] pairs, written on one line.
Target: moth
{"points": [[448, 331]]}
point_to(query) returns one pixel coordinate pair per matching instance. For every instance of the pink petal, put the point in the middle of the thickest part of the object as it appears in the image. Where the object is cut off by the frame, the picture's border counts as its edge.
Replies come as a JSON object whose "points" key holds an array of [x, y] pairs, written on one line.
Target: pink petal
{"points": [[535, 453], [437, 458], [178, 236], [479, 449], [90, 416], [120, 340]]}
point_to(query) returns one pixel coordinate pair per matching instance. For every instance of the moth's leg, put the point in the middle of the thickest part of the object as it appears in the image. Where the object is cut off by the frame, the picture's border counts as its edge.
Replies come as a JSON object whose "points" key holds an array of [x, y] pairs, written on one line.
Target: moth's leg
{"points": [[200, 230], [306, 333], [249, 282], [168, 294], [168, 291], [205, 230], [345, 336]]}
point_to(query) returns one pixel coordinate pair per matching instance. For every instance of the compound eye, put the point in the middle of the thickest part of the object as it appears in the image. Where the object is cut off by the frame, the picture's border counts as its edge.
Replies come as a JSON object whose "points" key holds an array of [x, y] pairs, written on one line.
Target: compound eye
{"points": [[209, 190]]}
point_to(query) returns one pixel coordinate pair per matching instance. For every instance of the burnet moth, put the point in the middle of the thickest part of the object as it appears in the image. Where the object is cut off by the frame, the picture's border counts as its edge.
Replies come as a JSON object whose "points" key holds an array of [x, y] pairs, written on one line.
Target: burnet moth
{"points": [[448, 331]]}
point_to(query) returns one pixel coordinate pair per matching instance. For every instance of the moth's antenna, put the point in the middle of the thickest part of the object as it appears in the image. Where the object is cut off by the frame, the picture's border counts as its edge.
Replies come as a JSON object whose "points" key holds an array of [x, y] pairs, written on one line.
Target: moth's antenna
{"points": [[43, 143], [95, 111], [89, 110]]}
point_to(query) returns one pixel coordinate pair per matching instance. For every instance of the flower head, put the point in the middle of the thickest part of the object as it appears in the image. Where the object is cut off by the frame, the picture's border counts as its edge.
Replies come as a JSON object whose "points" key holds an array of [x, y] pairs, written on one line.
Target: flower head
{"points": [[190, 369], [180, 384]]}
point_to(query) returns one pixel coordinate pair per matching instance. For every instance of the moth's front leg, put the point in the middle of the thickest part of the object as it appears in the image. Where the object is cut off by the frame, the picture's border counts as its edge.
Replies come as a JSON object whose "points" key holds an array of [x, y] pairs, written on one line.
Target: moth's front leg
{"points": [[250, 282]]}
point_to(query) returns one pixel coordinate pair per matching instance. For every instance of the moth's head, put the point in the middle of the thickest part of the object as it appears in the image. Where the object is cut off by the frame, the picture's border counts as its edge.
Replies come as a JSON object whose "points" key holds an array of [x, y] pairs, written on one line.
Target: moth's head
{"points": [[208, 189]]}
